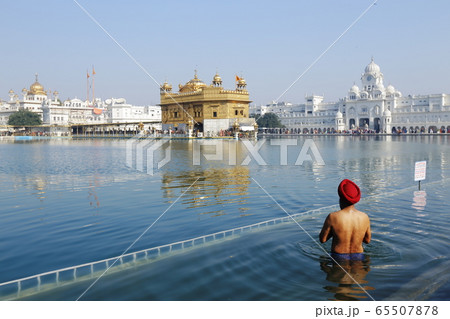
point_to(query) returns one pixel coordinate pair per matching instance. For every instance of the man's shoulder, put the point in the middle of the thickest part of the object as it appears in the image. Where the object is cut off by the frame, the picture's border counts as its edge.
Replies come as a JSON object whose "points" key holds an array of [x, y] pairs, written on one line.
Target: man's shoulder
{"points": [[362, 213], [345, 212], [337, 215], [362, 216], [334, 214]]}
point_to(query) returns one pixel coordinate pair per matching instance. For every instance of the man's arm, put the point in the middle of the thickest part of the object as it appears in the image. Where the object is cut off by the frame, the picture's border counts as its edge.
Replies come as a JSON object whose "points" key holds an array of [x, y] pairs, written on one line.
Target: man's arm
{"points": [[326, 233], [368, 234]]}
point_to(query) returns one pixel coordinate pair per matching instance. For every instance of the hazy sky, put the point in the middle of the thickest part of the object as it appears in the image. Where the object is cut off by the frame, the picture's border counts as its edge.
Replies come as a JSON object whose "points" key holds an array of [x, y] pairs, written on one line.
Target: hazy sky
{"points": [[270, 43]]}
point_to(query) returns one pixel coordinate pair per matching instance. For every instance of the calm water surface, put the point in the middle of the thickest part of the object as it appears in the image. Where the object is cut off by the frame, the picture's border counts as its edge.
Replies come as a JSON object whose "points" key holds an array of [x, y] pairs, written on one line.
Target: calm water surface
{"points": [[69, 202]]}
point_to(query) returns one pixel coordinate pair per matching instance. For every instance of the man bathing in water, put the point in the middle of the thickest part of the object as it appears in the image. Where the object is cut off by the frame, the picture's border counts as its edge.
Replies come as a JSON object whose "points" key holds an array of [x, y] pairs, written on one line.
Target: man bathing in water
{"points": [[349, 227]]}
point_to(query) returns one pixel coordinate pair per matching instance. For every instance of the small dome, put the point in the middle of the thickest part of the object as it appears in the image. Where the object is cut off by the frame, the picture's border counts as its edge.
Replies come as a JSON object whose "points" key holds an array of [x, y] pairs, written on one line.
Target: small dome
{"points": [[354, 89], [217, 78], [193, 85], [166, 87], [390, 89], [387, 113], [242, 81], [11, 91], [338, 114], [372, 67]]}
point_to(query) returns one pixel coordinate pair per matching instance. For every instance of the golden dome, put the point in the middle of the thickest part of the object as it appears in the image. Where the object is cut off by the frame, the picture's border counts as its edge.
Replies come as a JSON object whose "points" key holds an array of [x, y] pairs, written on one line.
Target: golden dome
{"points": [[193, 85], [166, 87], [37, 88], [217, 78], [241, 84]]}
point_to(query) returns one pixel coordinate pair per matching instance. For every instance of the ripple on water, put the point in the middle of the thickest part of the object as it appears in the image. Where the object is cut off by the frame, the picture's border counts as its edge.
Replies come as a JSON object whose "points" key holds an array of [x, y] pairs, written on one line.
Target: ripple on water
{"points": [[377, 249]]}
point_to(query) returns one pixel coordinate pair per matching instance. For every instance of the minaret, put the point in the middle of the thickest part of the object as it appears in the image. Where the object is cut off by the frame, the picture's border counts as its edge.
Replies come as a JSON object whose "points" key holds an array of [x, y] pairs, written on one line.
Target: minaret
{"points": [[217, 80], [55, 95], [339, 121], [241, 84], [11, 95], [387, 121], [165, 88]]}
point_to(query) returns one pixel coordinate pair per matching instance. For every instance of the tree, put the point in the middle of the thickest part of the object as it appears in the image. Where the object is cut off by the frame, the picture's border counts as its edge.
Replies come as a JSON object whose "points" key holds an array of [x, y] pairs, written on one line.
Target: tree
{"points": [[24, 118], [269, 120]]}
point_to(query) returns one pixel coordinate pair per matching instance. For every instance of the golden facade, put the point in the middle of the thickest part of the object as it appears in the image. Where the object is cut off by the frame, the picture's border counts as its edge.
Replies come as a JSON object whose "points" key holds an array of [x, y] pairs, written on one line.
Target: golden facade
{"points": [[197, 102]]}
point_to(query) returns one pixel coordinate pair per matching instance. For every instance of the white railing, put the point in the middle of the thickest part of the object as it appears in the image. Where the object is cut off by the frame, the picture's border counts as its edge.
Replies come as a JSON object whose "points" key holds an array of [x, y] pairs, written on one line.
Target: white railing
{"points": [[33, 284]]}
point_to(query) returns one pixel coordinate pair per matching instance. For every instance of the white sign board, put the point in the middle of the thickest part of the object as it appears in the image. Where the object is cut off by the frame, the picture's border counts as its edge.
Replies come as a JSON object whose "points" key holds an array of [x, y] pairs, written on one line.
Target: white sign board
{"points": [[420, 171], [247, 128]]}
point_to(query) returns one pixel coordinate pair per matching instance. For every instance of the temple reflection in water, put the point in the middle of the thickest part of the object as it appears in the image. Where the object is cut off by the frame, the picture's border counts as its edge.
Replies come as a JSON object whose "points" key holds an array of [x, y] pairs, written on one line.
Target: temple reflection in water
{"points": [[215, 188]]}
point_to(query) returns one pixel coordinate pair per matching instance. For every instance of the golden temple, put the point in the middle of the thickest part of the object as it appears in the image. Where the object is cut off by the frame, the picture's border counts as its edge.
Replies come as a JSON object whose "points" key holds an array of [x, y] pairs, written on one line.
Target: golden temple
{"points": [[208, 108]]}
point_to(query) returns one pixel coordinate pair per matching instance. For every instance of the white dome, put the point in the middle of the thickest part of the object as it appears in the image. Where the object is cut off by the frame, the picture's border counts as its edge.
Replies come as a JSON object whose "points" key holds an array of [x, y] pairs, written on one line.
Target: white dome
{"points": [[387, 113], [338, 114], [390, 89], [354, 89], [372, 67]]}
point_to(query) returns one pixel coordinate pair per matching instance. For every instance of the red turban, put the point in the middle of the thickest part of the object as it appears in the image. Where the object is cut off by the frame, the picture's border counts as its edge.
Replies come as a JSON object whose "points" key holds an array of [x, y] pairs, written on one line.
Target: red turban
{"points": [[349, 191]]}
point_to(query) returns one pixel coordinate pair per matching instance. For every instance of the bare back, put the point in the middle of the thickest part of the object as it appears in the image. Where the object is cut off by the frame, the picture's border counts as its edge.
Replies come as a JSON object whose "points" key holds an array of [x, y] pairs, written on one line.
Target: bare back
{"points": [[349, 228]]}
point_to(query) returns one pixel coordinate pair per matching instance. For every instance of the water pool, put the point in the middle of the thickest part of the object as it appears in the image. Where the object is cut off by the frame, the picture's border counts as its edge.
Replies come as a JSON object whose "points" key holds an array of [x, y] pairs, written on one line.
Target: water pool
{"points": [[71, 202]]}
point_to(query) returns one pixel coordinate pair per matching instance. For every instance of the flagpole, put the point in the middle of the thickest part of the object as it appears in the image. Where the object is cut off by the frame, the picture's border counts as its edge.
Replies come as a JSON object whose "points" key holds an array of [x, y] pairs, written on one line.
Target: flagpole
{"points": [[87, 85], [93, 85]]}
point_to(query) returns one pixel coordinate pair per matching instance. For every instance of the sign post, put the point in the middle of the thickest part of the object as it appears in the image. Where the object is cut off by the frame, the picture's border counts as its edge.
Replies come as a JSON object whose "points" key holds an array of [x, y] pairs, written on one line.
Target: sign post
{"points": [[420, 171]]}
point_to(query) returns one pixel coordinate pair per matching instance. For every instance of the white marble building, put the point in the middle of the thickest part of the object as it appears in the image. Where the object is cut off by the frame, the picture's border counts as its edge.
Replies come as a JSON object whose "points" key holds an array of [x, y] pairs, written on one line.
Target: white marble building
{"points": [[31, 100], [75, 111], [118, 111], [372, 106]]}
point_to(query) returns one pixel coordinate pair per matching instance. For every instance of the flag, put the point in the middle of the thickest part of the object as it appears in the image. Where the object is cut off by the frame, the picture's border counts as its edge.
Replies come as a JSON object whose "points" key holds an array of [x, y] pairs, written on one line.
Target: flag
{"points": [[87, 74], [238, 78], [93, 70]]}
